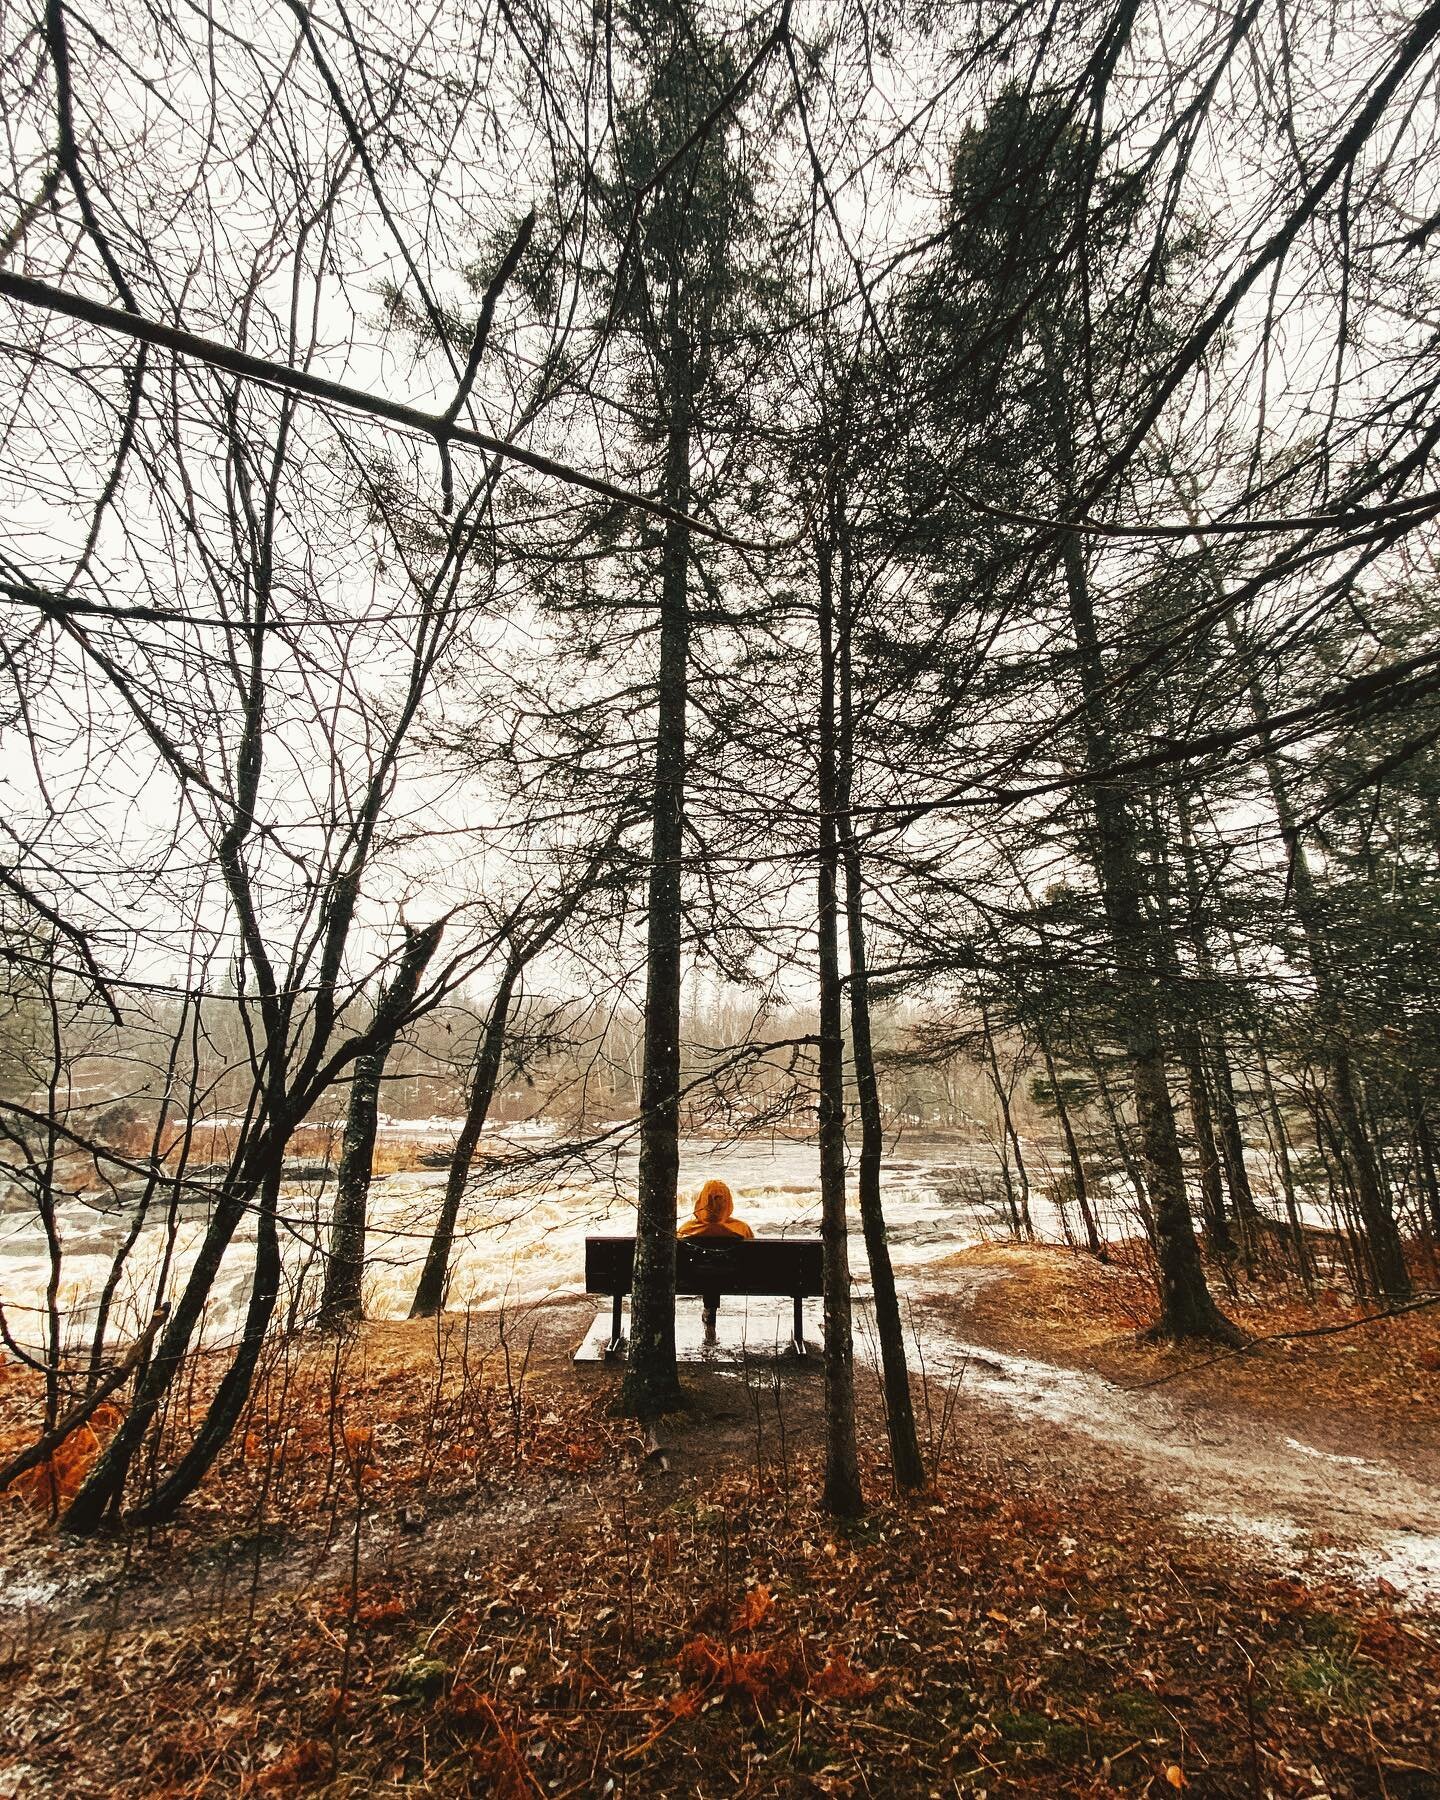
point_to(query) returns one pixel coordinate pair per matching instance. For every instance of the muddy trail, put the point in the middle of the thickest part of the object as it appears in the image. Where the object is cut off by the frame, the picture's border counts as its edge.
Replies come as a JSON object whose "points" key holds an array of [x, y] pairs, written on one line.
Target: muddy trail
{"points": [[1306, 1487]]}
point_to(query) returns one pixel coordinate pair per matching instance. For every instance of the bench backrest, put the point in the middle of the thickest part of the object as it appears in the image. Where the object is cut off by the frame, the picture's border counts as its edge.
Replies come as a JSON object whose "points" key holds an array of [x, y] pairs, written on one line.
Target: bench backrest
{"points": [[792, 1266]]}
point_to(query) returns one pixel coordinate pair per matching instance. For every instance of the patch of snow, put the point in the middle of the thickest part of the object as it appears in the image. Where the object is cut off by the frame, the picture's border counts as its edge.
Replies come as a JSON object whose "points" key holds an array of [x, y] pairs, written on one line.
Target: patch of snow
{"points": [[1282, 1537], [18, 1594], [1407, 1560], [748, 1328], [1346, 1462]]}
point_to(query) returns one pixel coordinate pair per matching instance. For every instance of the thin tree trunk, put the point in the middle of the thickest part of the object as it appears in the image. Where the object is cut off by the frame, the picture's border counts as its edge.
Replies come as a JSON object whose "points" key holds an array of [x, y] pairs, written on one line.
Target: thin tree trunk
{"points": [[842, 1493], [1020, 1222], [906, 1461], [225, 1409], [103, 1386], [435, 1276], [102, 1488], [1077, 1162], [1188, 1035], [1425, 1151], [1386, 1251], [1207, 1153], [1121, 1139], [1280, 1142], [340, 1301], [1227, 1116], [1232, 1153], [223, 1413]]}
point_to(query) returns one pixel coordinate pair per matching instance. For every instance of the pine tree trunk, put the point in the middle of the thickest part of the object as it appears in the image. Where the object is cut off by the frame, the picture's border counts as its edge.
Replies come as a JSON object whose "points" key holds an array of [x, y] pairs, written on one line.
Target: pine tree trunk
{"points": [[1187, 1308], [651, 1384], [1187, 1031]]}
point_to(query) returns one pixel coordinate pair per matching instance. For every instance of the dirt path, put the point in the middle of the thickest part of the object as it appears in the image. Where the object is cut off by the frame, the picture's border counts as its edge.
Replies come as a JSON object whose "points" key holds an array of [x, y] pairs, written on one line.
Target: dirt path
{"points": [[1299, 1482]]}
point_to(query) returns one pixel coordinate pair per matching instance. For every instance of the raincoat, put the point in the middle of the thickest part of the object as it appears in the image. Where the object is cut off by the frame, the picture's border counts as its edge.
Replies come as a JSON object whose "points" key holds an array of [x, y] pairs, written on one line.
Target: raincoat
{"points": [[714, 1209]]}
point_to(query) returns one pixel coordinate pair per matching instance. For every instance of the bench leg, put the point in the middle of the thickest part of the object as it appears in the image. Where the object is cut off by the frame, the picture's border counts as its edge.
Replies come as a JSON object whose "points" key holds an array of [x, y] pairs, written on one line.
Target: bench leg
{"points": [[617, 1341], [797, 1336]]}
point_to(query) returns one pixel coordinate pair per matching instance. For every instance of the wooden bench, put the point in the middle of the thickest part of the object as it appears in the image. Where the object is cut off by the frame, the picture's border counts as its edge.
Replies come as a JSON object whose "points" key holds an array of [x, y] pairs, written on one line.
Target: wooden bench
{"points": [[710, 1267]]}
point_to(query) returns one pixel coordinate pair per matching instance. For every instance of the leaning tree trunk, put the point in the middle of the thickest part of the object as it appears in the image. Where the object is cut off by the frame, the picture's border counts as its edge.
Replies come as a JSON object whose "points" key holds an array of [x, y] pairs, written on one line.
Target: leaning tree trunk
{"points": [[651, 1384], [842, 1494], [485, 1077], [102, 1488], [435, 1276], [223, 1413], [225, 1409], [905, 1458], [340, 1298]]}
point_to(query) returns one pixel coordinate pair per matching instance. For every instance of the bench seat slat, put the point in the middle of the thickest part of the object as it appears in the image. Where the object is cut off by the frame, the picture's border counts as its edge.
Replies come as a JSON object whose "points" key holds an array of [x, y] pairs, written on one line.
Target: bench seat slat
{"points": [[788, 1266]]}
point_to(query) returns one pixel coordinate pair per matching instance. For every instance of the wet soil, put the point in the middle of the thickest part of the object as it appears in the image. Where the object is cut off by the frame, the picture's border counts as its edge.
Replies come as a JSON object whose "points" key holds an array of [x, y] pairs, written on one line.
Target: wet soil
{"points": [[1307, 1452]]}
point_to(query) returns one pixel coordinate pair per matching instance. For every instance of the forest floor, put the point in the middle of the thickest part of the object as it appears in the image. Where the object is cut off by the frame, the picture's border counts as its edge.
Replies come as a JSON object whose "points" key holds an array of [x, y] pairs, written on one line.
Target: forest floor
{"points": [[435, 1563]]}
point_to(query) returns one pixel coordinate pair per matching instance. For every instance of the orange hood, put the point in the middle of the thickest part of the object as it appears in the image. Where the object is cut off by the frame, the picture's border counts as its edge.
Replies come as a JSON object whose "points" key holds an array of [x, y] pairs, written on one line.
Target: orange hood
{"points": [[714, 1203]]}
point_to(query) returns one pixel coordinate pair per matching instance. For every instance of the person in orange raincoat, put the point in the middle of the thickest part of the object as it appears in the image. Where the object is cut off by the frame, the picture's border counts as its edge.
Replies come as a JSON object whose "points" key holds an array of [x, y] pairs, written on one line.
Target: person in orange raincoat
{"points": [[714, 1218]]}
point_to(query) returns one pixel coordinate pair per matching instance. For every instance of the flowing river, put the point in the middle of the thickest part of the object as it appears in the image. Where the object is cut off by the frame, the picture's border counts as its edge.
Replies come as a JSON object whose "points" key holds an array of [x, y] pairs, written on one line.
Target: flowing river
{"points": [[521, 1236]]}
